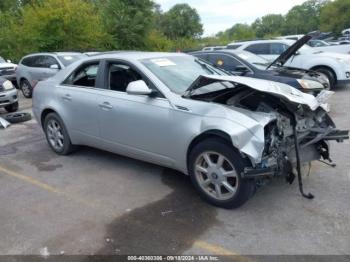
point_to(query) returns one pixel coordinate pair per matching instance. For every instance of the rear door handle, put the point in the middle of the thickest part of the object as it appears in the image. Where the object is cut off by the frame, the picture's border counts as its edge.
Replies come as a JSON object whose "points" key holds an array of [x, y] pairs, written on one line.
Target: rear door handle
{"points": [[67, 97], [106, 106]]}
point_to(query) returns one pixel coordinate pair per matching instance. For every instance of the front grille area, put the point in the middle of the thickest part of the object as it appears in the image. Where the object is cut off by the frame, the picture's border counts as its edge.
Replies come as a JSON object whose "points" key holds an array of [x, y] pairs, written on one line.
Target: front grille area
{"points": [[7, 71]]}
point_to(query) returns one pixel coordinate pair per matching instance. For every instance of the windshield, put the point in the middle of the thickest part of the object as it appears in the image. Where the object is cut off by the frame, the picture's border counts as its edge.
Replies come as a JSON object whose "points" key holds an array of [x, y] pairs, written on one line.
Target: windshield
{"points": [[2, 60], [179, 72], [68, 59], [253, 59]]}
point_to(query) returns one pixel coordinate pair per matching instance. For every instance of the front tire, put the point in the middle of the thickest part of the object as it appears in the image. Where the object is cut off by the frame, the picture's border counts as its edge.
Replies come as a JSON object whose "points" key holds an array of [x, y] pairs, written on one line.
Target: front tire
{"points": [[330, 75], [215, 169], [26, 88], [57, 135], [12, 108]]}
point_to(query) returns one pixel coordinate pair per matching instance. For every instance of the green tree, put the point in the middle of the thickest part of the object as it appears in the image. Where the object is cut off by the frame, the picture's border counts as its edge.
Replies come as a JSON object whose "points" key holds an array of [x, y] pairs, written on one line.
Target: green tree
{"points": [[53, 25], [271, 24], [129, 22], [240, 32], [6, 5], [304, 18], [182, 21], [335, 16]]}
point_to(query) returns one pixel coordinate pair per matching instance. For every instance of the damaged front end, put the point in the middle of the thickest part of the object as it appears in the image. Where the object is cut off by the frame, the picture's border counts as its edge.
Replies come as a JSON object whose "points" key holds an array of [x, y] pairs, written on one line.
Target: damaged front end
{"points": [[298, 134]]}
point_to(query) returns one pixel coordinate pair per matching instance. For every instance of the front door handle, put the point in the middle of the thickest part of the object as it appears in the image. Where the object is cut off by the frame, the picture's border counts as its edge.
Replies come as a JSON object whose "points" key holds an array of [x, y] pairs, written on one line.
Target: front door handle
{"points": [[67, 97], [106, 106]]}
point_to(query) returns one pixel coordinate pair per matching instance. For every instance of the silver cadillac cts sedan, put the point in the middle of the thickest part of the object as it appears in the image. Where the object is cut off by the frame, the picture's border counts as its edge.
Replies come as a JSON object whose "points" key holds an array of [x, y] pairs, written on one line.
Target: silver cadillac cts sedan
{"points": [[227, 132]]}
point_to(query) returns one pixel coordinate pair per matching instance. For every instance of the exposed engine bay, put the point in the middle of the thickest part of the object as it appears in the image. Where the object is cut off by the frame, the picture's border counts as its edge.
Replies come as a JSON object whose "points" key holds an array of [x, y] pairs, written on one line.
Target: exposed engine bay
{"points": [[296, 135]]}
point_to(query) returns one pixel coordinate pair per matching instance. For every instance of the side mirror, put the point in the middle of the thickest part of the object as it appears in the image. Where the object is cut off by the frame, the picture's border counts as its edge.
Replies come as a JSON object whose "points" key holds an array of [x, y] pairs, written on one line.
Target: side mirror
{"points": [[8, 61], [138, 87], [54, 66], [241, 69]]}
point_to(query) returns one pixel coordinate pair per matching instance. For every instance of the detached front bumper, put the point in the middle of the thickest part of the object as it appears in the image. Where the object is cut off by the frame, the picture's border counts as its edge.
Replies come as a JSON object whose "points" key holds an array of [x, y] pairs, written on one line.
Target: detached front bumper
{"points": [[323, 152], [8, 97]]}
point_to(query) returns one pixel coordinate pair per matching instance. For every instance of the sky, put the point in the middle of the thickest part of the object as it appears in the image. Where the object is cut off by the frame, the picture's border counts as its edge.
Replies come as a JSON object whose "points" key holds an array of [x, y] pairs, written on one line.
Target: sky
{"points": [[219, 15]]}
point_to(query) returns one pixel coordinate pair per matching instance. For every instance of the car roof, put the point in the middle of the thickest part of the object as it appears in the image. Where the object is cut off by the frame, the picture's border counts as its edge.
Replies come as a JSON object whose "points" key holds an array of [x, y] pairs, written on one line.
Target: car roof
{"points": [[287, 41], [134, 55], [54, 53]]}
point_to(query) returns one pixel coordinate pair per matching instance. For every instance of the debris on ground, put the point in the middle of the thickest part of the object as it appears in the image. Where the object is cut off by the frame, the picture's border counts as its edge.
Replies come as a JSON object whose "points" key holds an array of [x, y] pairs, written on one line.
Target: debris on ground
{"points": [[4, 123], [44, 252]]}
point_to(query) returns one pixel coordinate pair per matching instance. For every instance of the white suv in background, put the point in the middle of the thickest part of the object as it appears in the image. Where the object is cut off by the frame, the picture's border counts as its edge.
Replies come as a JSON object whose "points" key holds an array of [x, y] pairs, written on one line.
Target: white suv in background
{"points": [[37, 67], [334, 65]]}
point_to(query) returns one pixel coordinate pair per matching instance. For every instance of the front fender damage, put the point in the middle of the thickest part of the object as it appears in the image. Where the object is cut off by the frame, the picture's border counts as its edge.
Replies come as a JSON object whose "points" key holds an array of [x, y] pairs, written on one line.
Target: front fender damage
{"points": [[285, 128]]}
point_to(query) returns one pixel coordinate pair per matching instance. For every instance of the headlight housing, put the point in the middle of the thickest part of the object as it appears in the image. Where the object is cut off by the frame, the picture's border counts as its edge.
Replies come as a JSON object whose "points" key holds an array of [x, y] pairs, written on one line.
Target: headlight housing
{"points": [[310, 84], [7, 85]]}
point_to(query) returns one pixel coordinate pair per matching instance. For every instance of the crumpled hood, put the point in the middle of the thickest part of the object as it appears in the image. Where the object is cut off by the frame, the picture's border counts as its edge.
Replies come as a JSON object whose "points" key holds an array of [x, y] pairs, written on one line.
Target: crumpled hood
{"points": [[274, 88]]}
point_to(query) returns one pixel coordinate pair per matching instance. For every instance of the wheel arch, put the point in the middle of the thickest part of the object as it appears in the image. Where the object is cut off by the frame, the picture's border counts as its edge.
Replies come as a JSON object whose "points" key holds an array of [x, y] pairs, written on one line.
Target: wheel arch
{"points": [[314, 68], [44, 113], [214, 133]]}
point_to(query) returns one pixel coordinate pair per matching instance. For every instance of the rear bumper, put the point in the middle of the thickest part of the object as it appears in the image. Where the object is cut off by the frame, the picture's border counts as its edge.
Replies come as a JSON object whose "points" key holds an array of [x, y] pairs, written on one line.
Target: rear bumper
{"points": [[8, 97]]}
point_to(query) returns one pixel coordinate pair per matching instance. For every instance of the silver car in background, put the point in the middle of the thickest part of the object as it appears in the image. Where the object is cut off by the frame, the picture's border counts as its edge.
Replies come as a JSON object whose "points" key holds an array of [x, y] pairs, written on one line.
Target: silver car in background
{"points": [[227, 132], [40, 66], [8, 96]]}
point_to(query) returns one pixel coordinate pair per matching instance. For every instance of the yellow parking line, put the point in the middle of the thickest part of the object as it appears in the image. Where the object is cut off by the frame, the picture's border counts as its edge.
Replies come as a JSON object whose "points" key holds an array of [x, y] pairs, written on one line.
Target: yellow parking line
{"points": [[46, 187], [218, 250]]}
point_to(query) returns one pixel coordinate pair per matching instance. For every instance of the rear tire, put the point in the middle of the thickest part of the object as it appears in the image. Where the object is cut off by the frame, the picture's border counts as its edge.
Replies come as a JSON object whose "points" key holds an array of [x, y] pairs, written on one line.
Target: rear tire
{"points": [[12, 108], [329, 74], [26, 88], [220, 182], [57, 135]]}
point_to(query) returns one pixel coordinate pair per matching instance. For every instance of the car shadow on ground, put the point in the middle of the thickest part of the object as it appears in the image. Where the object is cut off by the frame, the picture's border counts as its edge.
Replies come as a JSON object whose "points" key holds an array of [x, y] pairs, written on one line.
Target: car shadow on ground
{"points": [[168, 226]]}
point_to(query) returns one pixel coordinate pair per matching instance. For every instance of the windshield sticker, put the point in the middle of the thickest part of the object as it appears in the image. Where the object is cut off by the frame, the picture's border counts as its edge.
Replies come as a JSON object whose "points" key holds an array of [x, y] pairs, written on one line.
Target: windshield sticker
{"points": [[68, 58], [163, 62]]}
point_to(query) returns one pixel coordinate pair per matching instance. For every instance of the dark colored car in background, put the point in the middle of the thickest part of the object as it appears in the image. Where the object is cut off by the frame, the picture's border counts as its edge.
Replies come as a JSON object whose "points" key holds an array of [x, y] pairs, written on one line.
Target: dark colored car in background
{"points": [[244, 63]]}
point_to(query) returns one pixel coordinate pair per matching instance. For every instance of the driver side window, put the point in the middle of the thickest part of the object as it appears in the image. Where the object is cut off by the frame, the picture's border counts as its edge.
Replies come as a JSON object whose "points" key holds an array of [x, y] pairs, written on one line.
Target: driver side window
{"points": [[120, 75]]}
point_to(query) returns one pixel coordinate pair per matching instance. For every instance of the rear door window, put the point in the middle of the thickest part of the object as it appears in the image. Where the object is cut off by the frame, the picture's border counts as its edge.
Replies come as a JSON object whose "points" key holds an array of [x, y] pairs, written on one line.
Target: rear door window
{"points": [[259, 49], [85, 76], [29, 61]]}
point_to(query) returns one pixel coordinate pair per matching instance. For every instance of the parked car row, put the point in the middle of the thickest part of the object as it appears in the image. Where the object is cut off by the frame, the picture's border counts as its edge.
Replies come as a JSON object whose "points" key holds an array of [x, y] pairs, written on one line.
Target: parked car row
{"points": [[296, 55]]}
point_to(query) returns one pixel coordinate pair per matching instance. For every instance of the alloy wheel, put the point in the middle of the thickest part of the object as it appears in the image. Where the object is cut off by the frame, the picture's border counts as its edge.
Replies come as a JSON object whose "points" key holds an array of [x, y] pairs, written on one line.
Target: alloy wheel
{"points": [[26, 89], [216, 175], [55, 135]]}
